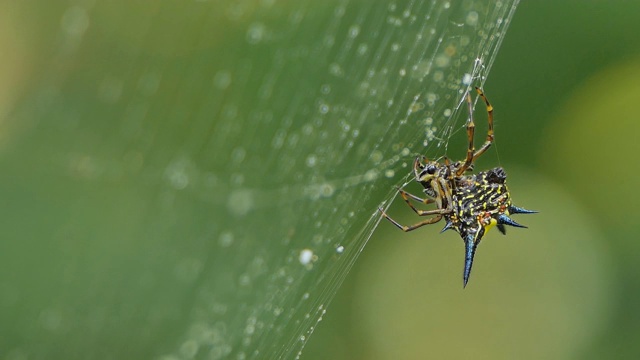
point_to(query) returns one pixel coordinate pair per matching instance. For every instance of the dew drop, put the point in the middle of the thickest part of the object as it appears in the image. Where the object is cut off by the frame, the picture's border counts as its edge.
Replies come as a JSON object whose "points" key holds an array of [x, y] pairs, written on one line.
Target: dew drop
{"points": [[306, 256], [323, 108], [354, 31], [311, 160], [189, 348], [326, 190], [472, 18], [376, 156], [336, 70], [371, 175], [75, 21], [466, 79], [226, 239], [325, 89], [240, 202], [222, 79], [362, 49], [256, 33], [238, 154]]}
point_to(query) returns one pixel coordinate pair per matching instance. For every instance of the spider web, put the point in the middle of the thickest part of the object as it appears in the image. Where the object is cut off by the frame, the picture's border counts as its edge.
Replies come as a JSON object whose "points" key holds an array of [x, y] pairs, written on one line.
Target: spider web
{"points": [[213, 169]]}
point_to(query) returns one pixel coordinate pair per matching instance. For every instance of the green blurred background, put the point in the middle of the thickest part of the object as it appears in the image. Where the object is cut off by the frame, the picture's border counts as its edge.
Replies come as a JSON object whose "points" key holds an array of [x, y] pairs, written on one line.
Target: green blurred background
{"points": [[566, 90], [565, 86]]}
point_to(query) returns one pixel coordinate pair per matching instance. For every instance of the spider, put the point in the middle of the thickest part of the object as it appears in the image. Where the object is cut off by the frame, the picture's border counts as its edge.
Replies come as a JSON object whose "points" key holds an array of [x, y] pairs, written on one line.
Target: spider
{"points": [[471, 204]]}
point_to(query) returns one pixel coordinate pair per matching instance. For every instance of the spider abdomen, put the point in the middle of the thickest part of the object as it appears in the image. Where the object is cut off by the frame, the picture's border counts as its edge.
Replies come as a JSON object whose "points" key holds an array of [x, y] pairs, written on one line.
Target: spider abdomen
{"points": [[477, 197]]}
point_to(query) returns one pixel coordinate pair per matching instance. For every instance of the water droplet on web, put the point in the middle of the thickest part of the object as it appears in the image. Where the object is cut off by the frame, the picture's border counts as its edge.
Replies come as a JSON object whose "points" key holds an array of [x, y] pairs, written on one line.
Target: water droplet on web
{"points": [[311, 160], [431, 98], [189, 348], [376, 156], [256, 33], [75, 21], [278, 139], [306, 257], [238, 154], [466, 79], [222, 79], [326, 190], [226, 239], [178, 179], [362, 49], [371, 175], [240, 202], [328, 41], [325, 89], [244, 280], [354, 31], [323, 108], [336, 70], [442, 60]]}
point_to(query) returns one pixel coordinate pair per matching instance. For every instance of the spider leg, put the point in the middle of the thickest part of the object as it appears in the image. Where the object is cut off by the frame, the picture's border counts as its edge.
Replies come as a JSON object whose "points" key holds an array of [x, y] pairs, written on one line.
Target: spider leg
{"points": [[490, 135], [471, 128], [404, 228], [406, 196], [445, 193], [414, 197]]}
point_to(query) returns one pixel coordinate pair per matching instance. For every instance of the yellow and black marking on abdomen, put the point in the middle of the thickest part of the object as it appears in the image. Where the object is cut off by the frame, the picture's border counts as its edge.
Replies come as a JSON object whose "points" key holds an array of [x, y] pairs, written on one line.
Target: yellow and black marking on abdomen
{"points": [[480, 202]]}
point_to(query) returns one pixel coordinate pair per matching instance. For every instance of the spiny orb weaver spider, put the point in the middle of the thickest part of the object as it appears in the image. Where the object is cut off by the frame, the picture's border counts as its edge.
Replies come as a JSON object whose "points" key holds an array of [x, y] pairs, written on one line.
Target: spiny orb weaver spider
{"points": [[471, 204]]}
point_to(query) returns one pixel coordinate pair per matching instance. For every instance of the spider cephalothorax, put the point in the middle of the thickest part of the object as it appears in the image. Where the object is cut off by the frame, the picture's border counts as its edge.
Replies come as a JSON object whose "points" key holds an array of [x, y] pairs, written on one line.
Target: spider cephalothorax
{"points": [[471, 204]]}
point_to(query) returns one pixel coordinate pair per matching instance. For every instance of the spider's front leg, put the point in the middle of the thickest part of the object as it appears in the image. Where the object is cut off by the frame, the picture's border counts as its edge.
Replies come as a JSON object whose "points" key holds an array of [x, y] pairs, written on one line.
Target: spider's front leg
{"points": [[472, 154], [490, 135], [406, 196], [471, 128], [439, 214]]}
